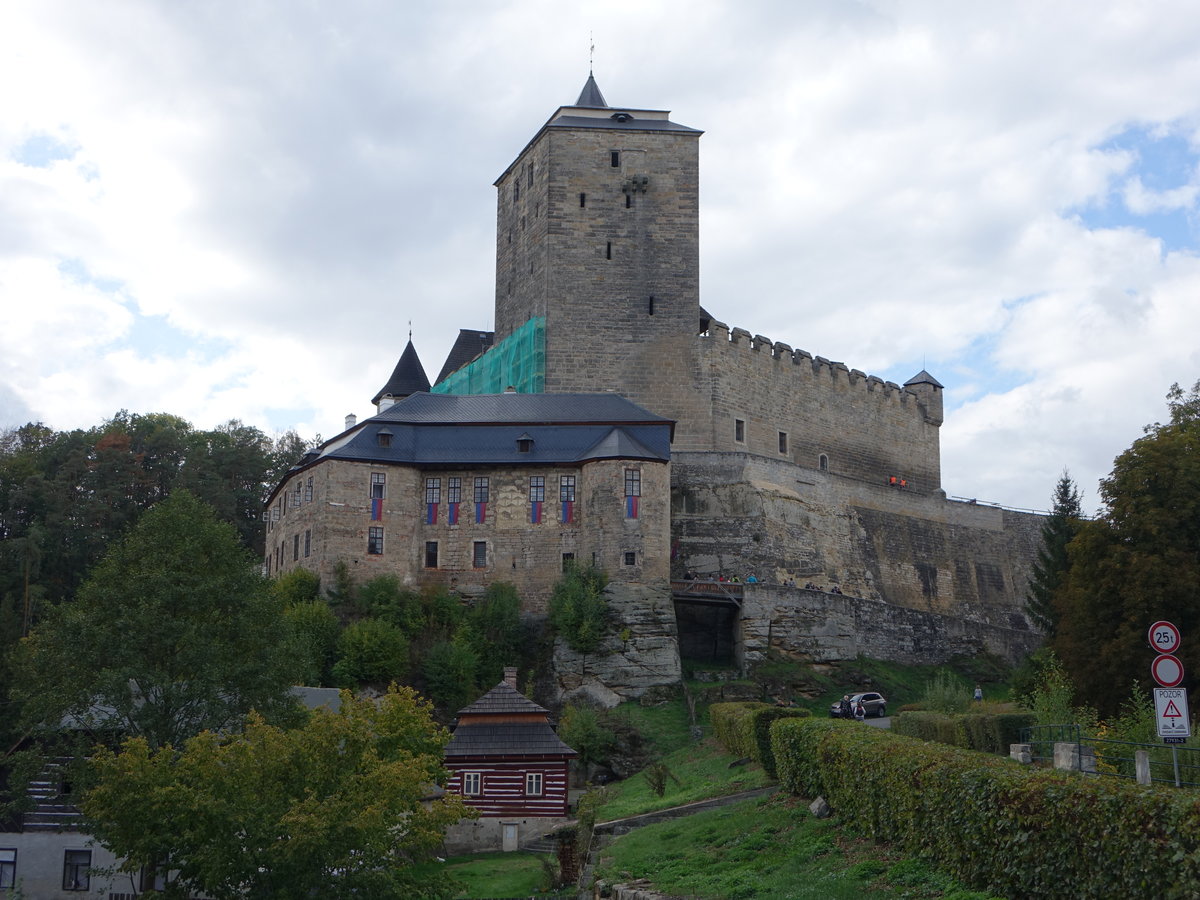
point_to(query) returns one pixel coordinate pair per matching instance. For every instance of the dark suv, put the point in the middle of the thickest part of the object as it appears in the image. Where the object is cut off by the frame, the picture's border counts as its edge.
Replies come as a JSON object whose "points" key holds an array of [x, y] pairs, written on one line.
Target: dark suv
{"points": [[873, 705]]}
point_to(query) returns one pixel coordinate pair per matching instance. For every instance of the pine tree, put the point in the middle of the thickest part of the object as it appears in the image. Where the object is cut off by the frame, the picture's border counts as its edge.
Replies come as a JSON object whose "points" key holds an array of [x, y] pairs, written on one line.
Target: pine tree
{"points": [[1052, 563]]}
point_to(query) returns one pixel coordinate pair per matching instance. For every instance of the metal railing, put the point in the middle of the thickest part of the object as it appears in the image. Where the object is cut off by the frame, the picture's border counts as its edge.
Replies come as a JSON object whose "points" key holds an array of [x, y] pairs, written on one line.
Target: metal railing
{"points": [[1171, 765]]}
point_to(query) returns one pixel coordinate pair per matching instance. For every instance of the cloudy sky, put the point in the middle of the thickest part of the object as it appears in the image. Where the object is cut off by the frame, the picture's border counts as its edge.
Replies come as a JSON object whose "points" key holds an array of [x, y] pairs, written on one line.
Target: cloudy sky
{"points": [[234, 209]]}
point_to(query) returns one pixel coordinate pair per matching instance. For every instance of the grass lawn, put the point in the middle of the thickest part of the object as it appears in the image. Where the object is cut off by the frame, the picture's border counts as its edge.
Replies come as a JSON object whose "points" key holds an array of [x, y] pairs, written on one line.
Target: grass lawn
{"points": [[768, 849], [492, 874], [701, 771]]}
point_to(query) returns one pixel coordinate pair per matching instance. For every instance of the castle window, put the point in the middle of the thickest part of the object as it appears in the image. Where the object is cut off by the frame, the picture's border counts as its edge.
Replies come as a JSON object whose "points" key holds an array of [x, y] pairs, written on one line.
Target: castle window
{"points": [[633, 492], [454, 490], [566, 488], [823, 463], [650, 306], [481, 490], [783, 442], [582, 200], [375, 541], [517, 190], [77, 866], [307, 542], [630, 558], [628, 200], [608, 250], [431, 561], [614, 159], [537, 488], [472, 783], [568, 562], [479, 554], [296, 497], [383, 438], [739, 430], [283, 503], [295, 546], [529, 178], [378, 485], [533, 784], [308, 490], [524, 443], [433, 490]]}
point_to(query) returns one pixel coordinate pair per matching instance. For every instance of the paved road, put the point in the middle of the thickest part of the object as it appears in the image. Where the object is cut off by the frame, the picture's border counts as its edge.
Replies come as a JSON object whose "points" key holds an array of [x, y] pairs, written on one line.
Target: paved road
{"points": [[885, 722]]}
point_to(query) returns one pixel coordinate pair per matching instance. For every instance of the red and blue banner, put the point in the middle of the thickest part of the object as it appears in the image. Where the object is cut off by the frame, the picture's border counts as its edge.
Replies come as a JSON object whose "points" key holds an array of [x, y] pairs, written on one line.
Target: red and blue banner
{"points": [[452, 513], [431, 513], [480, 513], [631, 507], [568, 511], [376, 509], [535, 511]]}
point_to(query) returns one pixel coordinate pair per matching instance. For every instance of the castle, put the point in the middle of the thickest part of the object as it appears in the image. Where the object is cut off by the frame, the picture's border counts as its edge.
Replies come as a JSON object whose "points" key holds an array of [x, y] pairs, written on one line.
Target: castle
{"points": [[750, 456]]}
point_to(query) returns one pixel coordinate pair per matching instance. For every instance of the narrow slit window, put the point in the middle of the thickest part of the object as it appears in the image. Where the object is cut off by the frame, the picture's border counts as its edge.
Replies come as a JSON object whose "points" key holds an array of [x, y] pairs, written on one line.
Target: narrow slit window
{"points": [[608, 250], [582, 200], [615, 159], [628, 200], [739, 430], [650, 306], [823, 462], [783, 442]]}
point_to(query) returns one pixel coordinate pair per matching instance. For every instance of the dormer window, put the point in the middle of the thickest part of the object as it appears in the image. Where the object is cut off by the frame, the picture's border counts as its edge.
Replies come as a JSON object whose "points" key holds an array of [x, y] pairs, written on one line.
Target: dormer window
{"points": [[525, 443], [621, 117], [383, 437]]}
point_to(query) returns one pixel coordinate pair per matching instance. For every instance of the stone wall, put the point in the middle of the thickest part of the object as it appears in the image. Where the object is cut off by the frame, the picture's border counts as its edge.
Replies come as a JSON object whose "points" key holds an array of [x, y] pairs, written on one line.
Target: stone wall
{"points": [[736, 513], [820, 627], [334, 526]]}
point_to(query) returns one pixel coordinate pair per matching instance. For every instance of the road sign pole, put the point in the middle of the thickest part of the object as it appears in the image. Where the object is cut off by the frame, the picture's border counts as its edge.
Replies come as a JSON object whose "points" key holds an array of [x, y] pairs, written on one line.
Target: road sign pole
{"points": [[1175, 760]]}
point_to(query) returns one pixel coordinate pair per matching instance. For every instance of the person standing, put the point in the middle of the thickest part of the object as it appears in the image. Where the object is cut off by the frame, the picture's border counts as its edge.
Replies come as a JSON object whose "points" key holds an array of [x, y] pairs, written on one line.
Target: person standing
{"points": [[978, 694]]}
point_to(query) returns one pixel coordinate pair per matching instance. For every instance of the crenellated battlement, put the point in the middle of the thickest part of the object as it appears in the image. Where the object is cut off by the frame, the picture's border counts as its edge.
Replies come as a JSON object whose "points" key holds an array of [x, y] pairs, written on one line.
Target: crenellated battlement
{"points": [[739, 340]]}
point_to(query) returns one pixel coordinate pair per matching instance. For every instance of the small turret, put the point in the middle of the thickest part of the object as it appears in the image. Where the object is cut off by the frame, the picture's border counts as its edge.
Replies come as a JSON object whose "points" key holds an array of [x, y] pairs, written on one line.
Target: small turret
{"points": [[929, 392], [407, 378]]}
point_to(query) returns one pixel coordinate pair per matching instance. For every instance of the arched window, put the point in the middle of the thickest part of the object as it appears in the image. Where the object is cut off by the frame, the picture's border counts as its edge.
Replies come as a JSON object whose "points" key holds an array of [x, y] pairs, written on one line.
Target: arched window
{"points": [[824, 463]]}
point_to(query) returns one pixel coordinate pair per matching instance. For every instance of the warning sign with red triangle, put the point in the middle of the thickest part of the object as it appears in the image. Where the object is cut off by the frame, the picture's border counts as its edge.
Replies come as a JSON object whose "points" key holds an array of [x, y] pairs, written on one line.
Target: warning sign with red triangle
{"points": [[1171, 707]]}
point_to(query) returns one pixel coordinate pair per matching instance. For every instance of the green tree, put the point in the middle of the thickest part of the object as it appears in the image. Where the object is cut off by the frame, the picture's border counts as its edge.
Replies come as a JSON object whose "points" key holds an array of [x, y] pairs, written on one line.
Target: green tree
{"points": [[582, 729], [314, 636], [449, 670], [1138, 562], [337, 808], [371, 651], [1050, 568], [578, 612], [493, 630], [174, 632], [297, 586]]}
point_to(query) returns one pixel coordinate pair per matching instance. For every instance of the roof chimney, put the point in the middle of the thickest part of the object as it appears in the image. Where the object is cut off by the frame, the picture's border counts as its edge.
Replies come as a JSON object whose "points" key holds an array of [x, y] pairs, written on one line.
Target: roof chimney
{"points": [[351, 421], [510, 676]]}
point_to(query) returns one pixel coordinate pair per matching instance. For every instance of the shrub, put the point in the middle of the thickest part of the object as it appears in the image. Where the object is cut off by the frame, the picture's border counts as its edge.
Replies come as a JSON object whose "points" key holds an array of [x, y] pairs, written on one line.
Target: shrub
{"points": [[582, 730], [732, 726], [985, 732], [371, 651], [761, 721], [384, 597], [314, 635], [449, 671], [297, 586], [945, 693], [578, 612], [1010, 829]]}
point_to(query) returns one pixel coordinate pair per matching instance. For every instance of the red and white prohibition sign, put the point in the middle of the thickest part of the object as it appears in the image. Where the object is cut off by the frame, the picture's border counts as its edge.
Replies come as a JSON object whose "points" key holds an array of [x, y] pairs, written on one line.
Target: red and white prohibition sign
{"points": [[1167, 670]]}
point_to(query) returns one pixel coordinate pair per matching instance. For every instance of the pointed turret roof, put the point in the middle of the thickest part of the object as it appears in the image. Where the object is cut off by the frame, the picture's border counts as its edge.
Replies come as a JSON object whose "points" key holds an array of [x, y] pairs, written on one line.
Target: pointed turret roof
{"points": [[923, 377], [407, 378], [590, 95]]}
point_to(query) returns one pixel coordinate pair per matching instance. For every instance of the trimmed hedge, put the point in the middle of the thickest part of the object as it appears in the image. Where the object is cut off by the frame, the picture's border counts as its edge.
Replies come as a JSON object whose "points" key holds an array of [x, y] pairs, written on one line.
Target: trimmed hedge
{"points": [[1013, 830], [985, 732], [744, 729]]}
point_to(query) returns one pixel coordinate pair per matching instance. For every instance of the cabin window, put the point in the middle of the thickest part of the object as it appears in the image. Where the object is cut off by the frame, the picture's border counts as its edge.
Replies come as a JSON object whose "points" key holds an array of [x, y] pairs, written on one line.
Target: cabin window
{"points": [[8, 867], [533, 784], [472, 784], [77, 866], [375, 541]]}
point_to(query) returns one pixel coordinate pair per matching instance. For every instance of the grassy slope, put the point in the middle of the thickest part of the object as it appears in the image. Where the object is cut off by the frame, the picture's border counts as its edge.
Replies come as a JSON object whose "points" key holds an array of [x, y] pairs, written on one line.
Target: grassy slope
{"points": [[492, 874]]}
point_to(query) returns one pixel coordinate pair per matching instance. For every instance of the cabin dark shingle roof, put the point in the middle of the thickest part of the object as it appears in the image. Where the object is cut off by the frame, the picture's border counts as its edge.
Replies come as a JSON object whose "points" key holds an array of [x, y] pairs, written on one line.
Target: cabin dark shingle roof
{"points": [[502, 699], [486, 728]]}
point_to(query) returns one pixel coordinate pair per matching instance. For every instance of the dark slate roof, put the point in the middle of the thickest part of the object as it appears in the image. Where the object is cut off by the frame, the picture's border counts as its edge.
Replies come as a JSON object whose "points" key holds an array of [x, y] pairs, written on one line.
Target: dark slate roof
{"points": [[507, 739], [407, 378], [923, 377], [469, 344], [620, 120], [590, 95], [512, 408], [502, 700]]}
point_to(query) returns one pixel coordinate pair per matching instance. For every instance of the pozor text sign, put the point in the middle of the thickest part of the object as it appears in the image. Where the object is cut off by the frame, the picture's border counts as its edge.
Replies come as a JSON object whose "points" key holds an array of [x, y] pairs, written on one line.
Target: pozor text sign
{"points": [[1163, 637], [1171, 713]]}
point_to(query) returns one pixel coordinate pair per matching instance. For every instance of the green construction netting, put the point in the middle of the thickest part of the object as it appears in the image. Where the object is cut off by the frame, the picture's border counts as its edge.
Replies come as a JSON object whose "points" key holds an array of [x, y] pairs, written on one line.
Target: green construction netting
{"points": [[518, 361]]}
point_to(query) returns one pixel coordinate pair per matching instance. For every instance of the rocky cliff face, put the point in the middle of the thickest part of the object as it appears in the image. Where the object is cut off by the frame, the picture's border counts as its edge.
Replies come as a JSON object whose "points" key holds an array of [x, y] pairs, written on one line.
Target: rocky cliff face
{"points": [[639, 653]]}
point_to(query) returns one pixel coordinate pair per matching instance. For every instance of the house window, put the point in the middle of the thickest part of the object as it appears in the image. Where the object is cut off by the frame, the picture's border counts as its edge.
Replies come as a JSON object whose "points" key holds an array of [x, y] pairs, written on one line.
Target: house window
{"points": [[8, 868], [431, 561], [454, 490], [783, 442], [378, 485], [614, 159], [537, 488], [307, 542], [295, 546], [433, 490], [472, 784], [823, 463], [479, 555], [481, 490], [375, 540], [533, 784], [308, 491], [739, 430], [630, 558], [76, 864]]}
